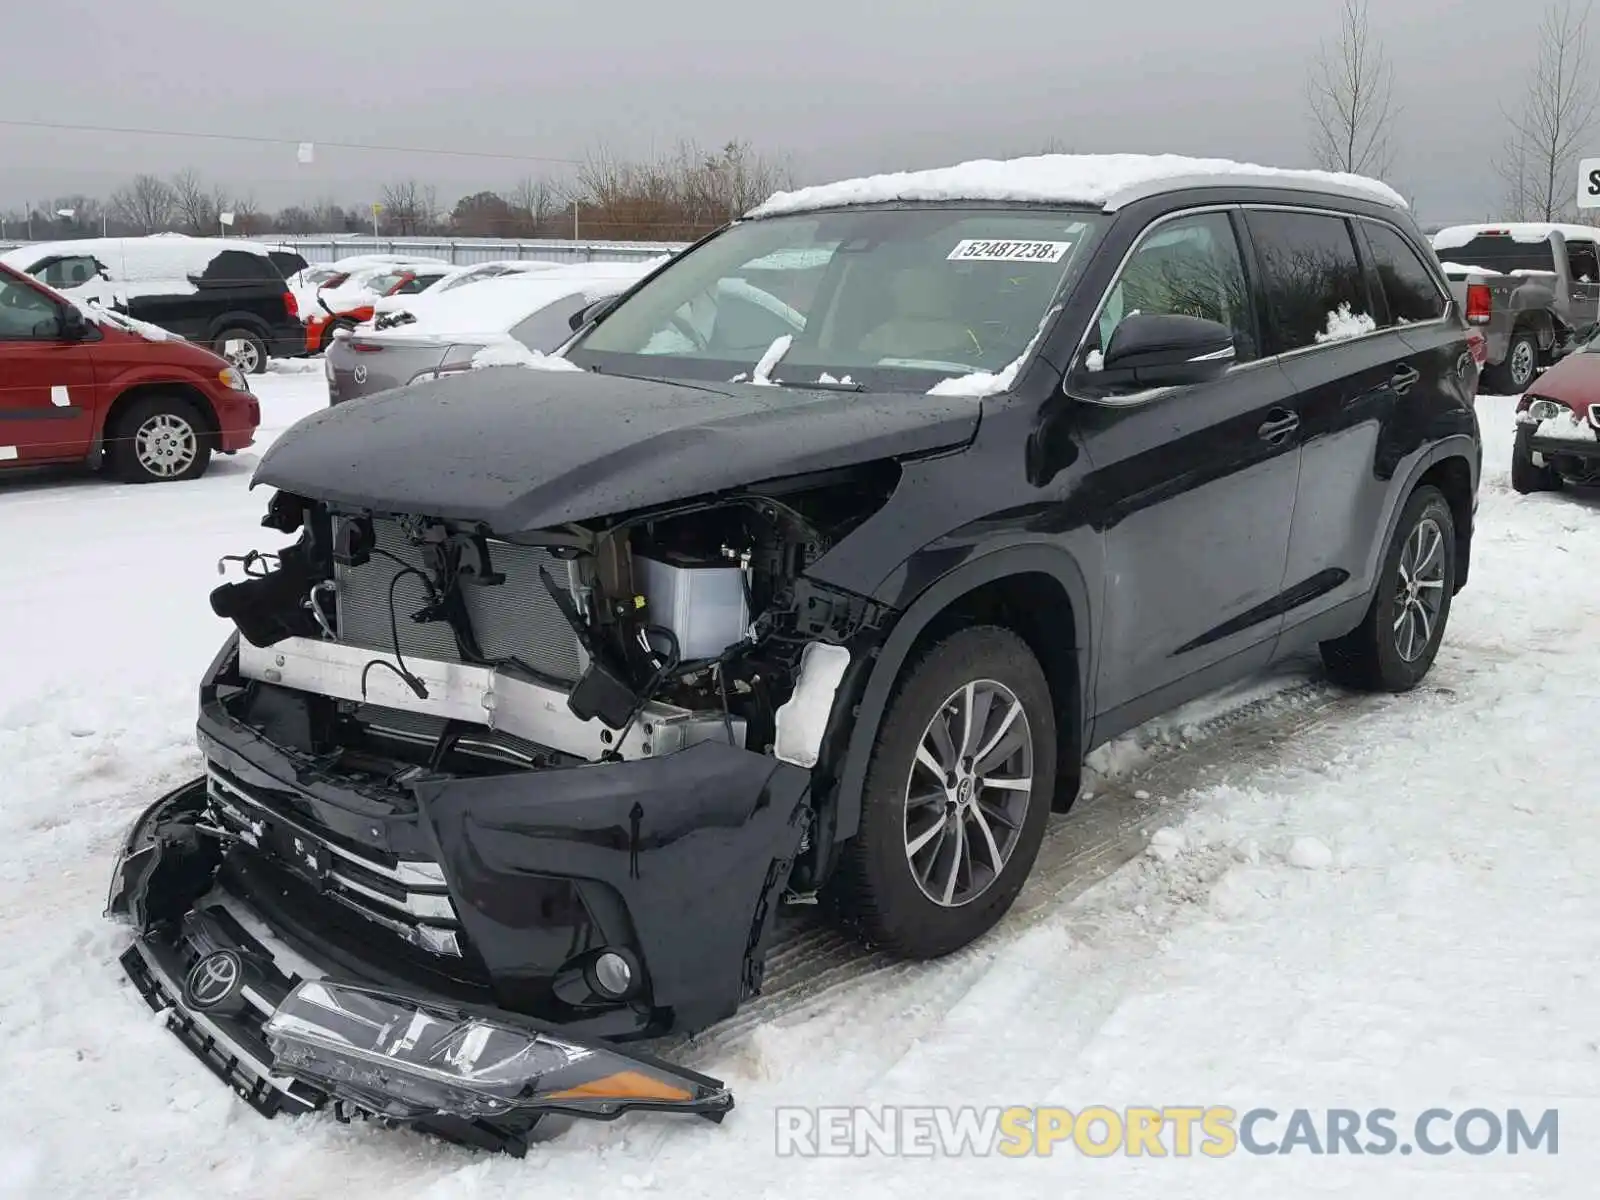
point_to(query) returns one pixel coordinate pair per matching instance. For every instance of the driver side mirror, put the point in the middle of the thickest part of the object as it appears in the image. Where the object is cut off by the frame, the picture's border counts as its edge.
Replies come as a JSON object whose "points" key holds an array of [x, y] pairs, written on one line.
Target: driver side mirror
{"points": [[1150, 350], [73, 327], [592, 312]]}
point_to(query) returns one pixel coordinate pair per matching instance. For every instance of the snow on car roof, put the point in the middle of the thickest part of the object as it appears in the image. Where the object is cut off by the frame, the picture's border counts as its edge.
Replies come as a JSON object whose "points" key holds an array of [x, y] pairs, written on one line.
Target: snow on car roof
{"points": [[496, 305], [1105, 181], [138, 259], [1528, 232]]}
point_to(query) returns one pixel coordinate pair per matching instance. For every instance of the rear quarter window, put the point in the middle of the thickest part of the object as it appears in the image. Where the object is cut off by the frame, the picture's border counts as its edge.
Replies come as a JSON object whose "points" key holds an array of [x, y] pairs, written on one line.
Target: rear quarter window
{"points": [[1315, 289], [1408, 285]]}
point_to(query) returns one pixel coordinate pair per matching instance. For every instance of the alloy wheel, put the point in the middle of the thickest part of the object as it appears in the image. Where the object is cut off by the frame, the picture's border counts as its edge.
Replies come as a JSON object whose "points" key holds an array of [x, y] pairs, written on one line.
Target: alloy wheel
{"points": [[968, 792], [242, 353], [166, 445], [1419, 590]]}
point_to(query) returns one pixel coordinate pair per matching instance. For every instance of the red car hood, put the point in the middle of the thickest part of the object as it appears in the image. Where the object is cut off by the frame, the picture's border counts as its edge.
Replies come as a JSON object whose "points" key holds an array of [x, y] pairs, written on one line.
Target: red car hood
{"points": [[1574, 381]]}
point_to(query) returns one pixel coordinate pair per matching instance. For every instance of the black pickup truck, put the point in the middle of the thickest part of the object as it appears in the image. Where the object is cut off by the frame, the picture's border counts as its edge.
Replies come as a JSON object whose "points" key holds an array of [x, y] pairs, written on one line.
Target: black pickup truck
{"points": [[225, 293], [1532, 289]]}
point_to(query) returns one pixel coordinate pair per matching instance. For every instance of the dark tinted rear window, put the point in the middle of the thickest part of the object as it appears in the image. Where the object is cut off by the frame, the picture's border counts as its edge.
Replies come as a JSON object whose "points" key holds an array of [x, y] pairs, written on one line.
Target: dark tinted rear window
{"points": [[1502, 254], [286, 262], [238, 267], [1407, 283], [1315, 288]]}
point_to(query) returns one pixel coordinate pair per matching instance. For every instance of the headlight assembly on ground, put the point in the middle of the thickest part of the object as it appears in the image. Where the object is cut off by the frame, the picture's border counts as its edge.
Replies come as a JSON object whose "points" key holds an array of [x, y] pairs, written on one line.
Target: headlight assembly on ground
{"points": [[401, 1058]]}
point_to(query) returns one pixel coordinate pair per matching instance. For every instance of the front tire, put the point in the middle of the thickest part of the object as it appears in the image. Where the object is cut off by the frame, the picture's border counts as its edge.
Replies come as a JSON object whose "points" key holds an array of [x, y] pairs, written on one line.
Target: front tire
{"points": [[957, 795], [1395, 644], [1526, 478], [158, 439]]}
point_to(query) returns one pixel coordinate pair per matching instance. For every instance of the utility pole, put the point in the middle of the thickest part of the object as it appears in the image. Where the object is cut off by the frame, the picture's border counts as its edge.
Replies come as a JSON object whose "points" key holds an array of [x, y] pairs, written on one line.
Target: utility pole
{"points": [[574, 218]]}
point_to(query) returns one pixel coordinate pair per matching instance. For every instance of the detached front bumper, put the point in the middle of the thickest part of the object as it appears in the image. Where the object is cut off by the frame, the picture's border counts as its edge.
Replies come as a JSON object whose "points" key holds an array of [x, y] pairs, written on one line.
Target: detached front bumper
{"points": [[287, 1035]]}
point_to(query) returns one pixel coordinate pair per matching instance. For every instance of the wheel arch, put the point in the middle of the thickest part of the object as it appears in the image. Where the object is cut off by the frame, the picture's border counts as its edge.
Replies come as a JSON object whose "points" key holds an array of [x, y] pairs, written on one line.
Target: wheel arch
{"points": [[211, 428], [1450, 466], [254, 322], [1022, 588]]}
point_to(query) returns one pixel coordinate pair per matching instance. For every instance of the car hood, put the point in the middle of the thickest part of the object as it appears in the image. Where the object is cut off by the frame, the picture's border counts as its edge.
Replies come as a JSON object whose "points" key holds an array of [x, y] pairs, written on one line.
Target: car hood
{"points": [[520, 450], [1574, 381]]}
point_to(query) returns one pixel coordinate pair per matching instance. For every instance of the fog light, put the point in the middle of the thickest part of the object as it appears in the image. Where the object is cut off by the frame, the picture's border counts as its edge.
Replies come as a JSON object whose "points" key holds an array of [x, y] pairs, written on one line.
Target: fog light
{"points": [[613, 974]]}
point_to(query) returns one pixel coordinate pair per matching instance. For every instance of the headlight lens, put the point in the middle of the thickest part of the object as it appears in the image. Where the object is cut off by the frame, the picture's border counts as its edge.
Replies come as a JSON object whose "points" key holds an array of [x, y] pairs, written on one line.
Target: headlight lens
{"points": [[234, 378], [1548, 410], [409, 1057]]}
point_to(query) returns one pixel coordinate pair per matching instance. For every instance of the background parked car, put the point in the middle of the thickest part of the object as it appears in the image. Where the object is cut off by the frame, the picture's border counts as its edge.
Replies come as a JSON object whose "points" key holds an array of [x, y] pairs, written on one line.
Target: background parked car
{"points": [[1532, 288], [532, 310], [1558, 425], [399, 308], [226, 293], [351, 302], [86, 384]]}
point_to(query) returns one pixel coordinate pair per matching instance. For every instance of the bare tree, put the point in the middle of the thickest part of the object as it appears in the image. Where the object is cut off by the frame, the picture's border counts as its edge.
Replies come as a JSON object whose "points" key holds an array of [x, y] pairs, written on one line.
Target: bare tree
{"points": [[1350, 94], [147, 204], [1538, 163], [537, 201], [200, 208], [409, 207]]}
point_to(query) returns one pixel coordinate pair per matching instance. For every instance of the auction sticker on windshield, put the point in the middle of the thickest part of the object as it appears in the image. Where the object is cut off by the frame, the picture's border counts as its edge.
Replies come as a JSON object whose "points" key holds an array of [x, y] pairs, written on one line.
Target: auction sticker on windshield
{"points": [[994, 250]]}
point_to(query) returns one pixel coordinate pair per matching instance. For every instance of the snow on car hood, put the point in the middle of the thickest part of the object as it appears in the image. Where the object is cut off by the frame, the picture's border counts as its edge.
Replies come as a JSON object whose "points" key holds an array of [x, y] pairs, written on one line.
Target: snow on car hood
{"points": [[520, 450]]}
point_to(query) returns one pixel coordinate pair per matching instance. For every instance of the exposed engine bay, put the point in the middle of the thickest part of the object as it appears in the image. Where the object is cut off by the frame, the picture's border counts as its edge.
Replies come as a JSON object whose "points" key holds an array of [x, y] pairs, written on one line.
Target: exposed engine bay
{"points": [[592, 643]]}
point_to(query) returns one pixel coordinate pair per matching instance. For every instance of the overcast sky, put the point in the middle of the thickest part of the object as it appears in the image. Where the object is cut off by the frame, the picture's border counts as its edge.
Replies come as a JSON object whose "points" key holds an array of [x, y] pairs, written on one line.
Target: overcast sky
{"points": [[838, 86]]}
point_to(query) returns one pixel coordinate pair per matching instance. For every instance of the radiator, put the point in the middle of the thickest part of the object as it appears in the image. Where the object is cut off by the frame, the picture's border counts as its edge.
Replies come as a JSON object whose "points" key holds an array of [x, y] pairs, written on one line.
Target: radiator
{"points": [[514, 619]]}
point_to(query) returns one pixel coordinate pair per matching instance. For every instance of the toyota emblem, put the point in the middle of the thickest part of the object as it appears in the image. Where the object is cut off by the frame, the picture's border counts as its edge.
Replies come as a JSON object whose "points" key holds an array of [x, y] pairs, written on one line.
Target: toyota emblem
{"points": [[214, 980], [360, 373]]}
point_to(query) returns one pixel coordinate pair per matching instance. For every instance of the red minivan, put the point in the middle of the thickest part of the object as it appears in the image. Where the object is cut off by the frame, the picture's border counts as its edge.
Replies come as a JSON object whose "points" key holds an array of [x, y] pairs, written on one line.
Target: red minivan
{"points": [[91, 385]]}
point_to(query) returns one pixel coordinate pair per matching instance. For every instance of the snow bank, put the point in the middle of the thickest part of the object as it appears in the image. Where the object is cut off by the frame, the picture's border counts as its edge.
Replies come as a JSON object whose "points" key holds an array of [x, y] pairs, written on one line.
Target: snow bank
{"points": [[1094, 179]]}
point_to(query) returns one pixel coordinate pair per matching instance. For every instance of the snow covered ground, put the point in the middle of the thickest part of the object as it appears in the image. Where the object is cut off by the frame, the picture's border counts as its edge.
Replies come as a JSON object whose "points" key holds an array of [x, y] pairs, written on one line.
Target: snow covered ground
{"points": [[1346, 902]]}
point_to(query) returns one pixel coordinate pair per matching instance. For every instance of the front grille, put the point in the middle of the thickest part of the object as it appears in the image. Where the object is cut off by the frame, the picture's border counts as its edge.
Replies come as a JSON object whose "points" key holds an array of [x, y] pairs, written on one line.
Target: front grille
{"points": [[407, 897], [515, 619]]}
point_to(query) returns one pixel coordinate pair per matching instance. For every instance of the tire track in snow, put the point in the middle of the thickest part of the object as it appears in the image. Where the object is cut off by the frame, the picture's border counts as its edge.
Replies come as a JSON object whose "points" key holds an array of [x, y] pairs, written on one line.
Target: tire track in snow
{"points": [[820, 975]]}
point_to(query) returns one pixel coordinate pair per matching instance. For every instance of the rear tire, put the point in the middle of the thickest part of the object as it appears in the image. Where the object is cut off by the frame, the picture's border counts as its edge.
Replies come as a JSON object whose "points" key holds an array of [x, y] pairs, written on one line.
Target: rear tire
{"points": [[1512, 376], [975, 707], [249, 352], [1395, 644], [328, 331], [158, 439], [1526, 478]]}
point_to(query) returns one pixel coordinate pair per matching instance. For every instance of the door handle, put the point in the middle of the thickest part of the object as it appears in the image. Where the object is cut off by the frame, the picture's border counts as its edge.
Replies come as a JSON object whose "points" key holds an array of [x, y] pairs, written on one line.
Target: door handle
{"points": [[1403, 380], [1279, 425]]}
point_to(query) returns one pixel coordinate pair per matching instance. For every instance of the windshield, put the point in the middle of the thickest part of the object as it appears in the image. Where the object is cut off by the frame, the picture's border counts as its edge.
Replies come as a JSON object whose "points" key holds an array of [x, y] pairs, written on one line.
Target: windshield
{"points": [[893, 299]]}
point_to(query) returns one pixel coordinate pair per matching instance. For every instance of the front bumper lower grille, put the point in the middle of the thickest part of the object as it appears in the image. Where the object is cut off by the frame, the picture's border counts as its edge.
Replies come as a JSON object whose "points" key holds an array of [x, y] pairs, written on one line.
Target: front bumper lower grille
{"points": [[407, 897]]}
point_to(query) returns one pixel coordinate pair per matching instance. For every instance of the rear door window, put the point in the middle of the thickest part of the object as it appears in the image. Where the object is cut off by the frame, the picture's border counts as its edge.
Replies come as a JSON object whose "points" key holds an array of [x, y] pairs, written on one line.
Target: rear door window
{"points": [[1408, 285], [1311, 278]]}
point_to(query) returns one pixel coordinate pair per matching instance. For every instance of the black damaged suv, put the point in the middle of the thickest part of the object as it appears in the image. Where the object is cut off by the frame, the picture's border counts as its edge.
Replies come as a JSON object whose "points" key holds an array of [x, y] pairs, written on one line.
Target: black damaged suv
{"points": [[811, 568]]}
